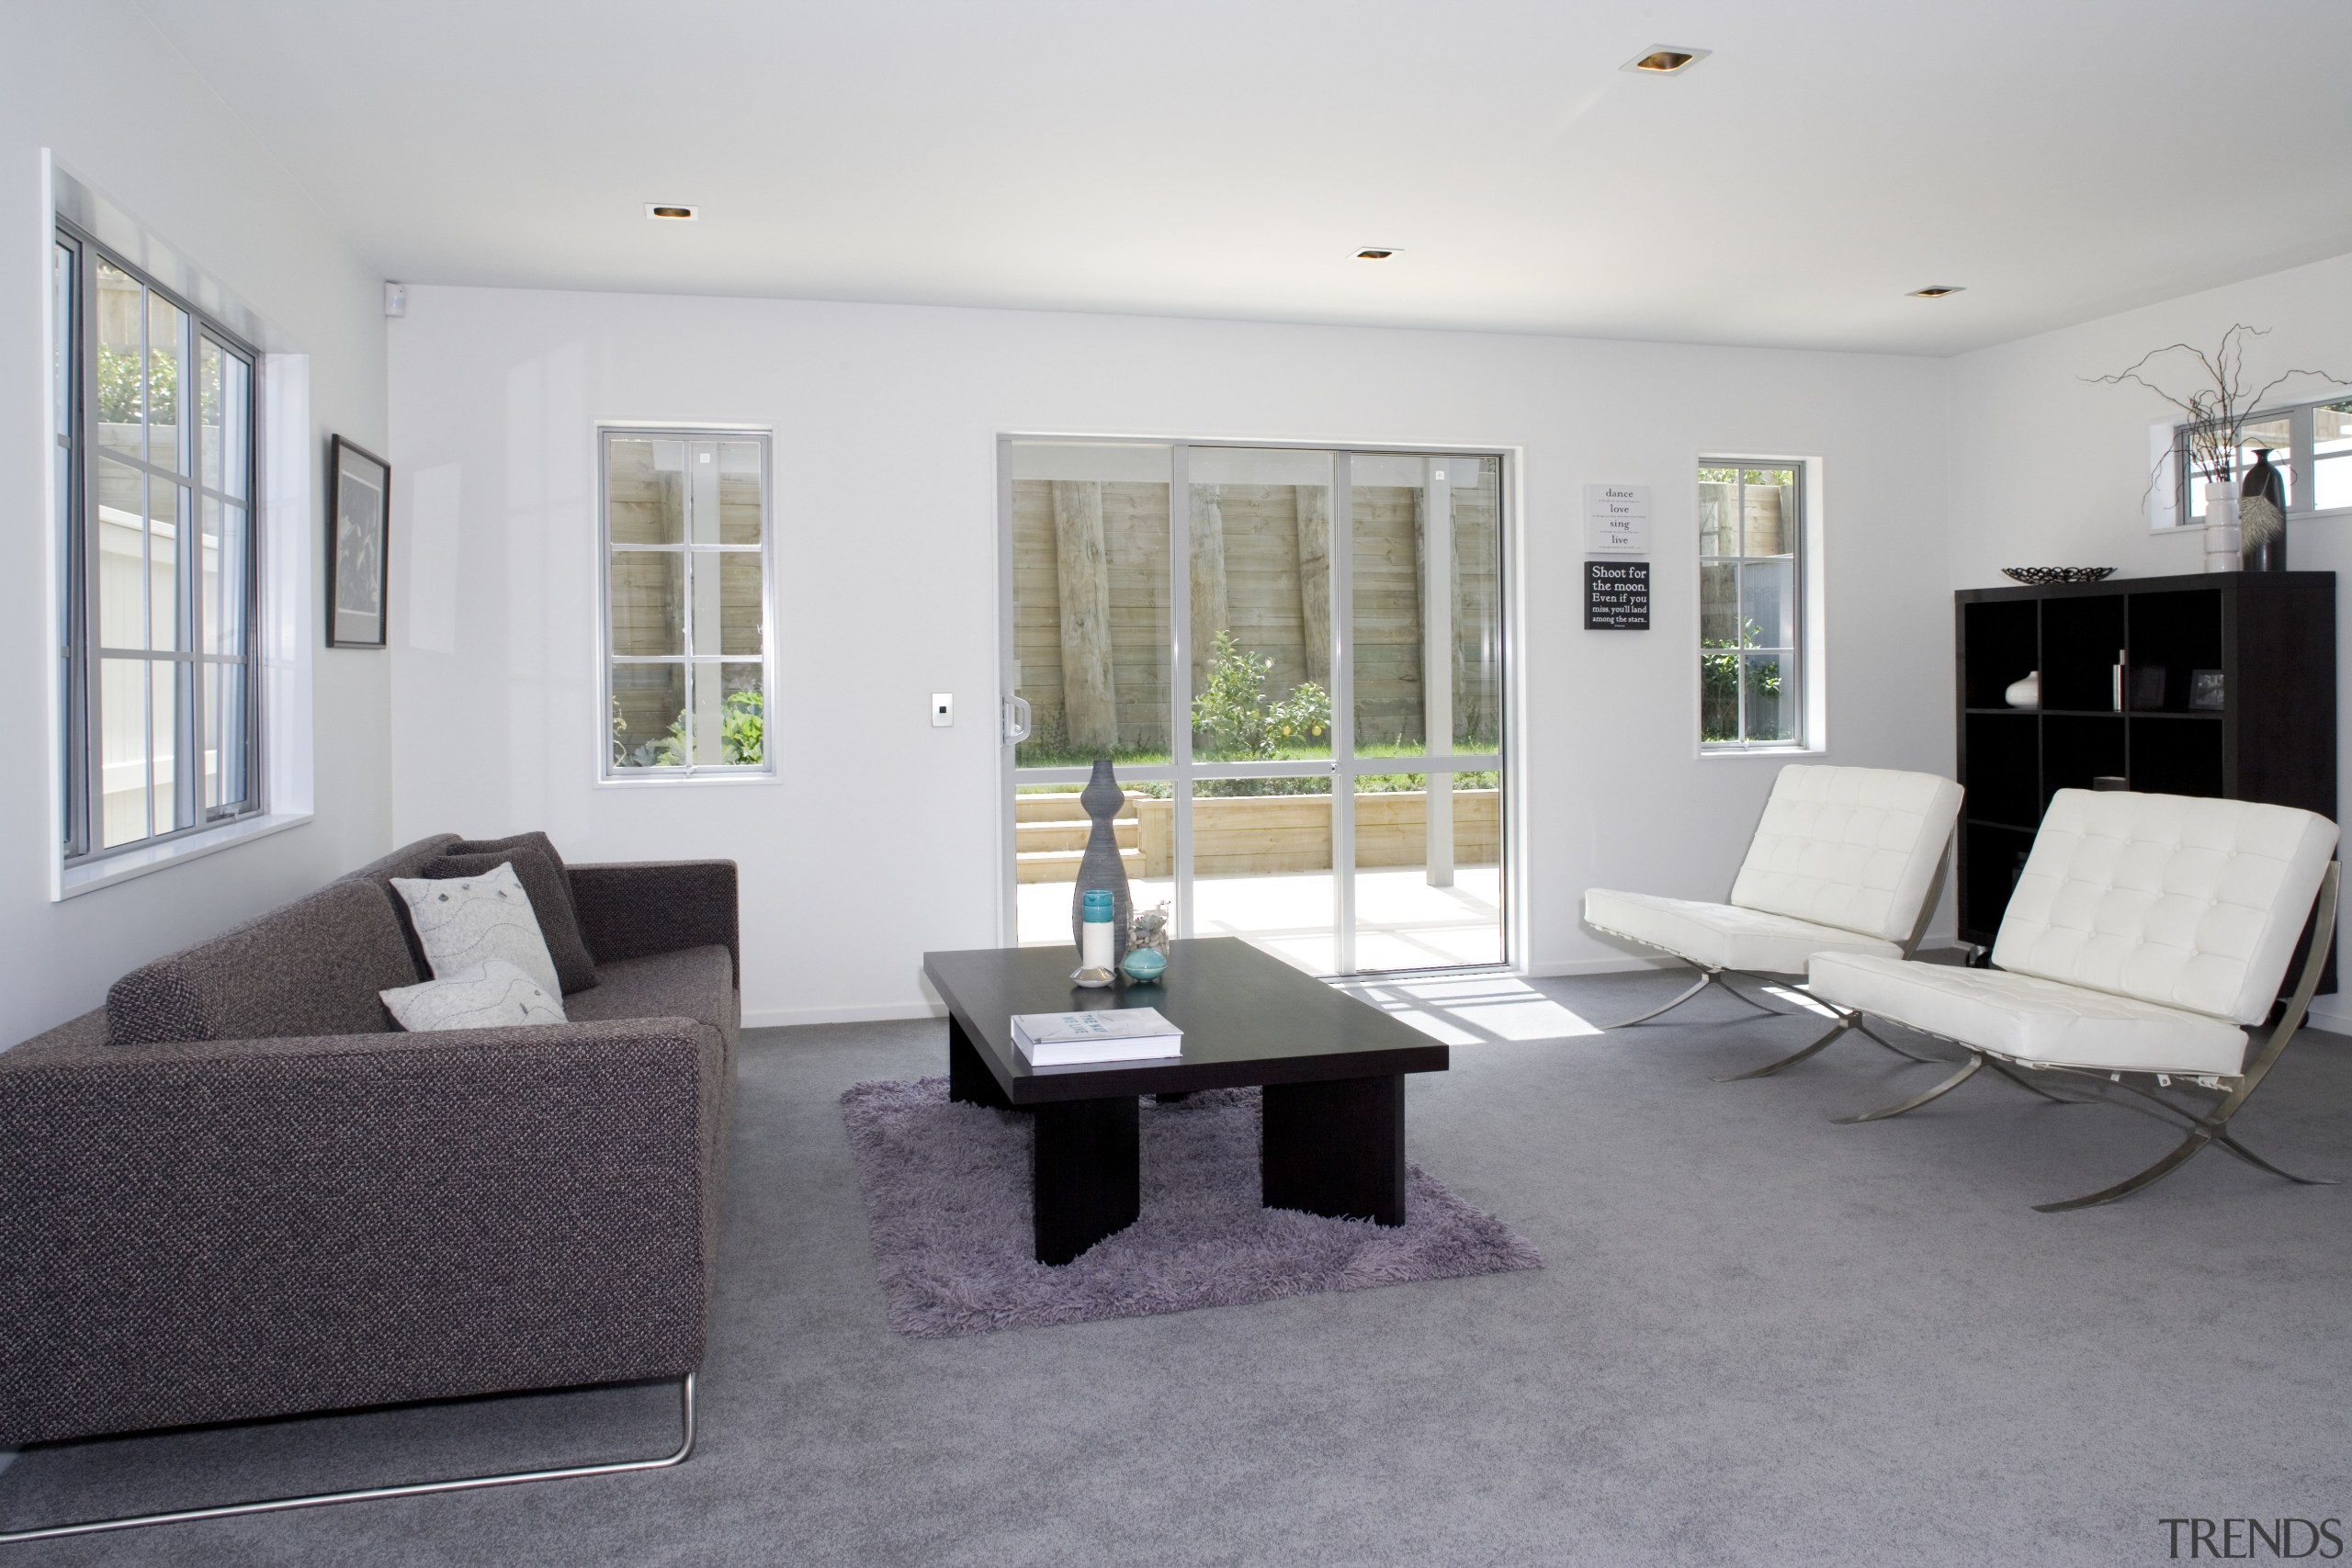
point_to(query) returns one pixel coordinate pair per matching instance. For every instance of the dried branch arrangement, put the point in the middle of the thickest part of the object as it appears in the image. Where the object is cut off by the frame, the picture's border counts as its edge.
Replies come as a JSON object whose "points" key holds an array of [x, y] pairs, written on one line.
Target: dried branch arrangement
{"points": [[2221, 402]]}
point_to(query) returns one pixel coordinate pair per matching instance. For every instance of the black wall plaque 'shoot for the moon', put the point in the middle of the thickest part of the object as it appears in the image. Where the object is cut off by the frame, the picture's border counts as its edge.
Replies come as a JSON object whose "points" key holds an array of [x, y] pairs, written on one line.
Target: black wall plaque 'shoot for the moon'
{"points": [[1617, 595]]}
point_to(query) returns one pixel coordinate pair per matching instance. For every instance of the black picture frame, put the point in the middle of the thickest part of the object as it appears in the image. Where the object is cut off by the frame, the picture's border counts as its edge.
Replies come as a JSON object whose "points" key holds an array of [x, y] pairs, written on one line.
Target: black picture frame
{"points": [[359, 511]]}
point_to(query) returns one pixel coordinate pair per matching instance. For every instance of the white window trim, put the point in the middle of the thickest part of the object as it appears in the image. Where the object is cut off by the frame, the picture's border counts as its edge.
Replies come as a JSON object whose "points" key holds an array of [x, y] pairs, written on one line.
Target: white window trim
{"points": [[283, 520], [1814, 652], [605, 775]]}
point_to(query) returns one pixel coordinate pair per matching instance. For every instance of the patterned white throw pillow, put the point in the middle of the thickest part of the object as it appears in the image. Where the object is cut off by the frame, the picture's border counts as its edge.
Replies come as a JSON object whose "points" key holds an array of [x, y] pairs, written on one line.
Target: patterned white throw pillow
{"points": [[465, 922], [497, 994]]}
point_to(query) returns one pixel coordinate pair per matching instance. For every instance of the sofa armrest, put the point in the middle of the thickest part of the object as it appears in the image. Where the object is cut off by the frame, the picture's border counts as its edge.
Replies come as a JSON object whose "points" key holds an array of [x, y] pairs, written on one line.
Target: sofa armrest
{"points": [[210, 1231], [636, 909]]}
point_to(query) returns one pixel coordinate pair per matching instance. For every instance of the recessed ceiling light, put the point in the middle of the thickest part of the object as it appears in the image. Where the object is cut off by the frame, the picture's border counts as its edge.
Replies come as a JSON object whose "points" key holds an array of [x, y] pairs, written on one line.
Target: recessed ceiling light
{"points": [[1935, 291], [1666, 59], [676, 213], [1375, 253]]}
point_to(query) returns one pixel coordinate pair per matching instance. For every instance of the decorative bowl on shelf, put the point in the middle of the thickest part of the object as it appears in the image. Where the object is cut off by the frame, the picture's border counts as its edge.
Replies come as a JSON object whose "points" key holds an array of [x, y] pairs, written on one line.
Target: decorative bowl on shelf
{"points": [[2042, 576]]}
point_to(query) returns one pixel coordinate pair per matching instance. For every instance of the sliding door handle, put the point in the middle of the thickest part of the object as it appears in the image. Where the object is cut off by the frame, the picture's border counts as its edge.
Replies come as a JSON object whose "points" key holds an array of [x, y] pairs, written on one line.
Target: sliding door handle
{"points": [[1016, 720]]}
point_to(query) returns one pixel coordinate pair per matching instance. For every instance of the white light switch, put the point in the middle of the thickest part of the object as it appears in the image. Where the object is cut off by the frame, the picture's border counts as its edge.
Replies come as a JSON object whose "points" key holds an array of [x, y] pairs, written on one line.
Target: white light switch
{"points": [[942, 709]]}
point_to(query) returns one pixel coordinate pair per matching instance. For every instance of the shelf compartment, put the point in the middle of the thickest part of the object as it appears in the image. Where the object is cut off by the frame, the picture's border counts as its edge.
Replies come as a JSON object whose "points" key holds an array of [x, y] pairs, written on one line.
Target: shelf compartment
{"points": [[2075, 750], [2003, 766], [2175, 759], [1991, 860]]}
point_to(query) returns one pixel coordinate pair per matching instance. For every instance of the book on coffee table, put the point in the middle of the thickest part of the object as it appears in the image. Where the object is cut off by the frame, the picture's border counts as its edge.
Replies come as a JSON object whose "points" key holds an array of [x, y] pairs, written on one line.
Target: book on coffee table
{"points": [[1122, 1034]]}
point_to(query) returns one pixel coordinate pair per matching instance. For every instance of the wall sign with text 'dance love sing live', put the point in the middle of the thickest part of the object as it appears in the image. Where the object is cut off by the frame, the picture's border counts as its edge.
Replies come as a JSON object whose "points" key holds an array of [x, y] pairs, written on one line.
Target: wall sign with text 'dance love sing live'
{"points": [[1617, 571], [1617, 595]]}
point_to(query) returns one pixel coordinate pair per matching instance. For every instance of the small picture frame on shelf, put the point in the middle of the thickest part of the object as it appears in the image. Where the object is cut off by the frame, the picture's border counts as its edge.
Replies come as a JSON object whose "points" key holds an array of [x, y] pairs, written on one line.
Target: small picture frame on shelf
{"points": [[2148, 687], [2205, 694]]}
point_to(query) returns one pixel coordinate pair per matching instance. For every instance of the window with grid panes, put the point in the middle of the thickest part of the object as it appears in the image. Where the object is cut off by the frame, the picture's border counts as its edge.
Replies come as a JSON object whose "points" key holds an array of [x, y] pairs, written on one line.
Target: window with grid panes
{"points": [[1751, 626], [686, 537], [2310, 445], [153, 414]]}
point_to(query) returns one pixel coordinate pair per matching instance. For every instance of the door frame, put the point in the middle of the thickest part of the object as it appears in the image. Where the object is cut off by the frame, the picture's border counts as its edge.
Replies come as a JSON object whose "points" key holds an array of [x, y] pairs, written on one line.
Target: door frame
{"points": [[1343, 766]]}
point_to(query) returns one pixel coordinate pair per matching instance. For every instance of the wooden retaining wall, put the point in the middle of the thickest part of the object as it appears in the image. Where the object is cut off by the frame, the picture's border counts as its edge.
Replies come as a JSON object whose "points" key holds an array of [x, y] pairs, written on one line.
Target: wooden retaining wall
{"points": [[1245, 835]]}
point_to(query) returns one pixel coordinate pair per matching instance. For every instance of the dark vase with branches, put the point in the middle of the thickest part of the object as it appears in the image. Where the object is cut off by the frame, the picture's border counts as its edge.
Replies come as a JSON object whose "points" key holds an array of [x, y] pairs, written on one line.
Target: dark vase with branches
{"points": [[2262, 516]]}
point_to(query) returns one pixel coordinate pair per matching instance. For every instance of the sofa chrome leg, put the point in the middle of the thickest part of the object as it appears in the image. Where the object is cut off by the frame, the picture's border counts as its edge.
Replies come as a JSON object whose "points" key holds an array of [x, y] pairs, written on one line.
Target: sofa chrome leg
{"points": [[1738, 996], [2027, 1084], [2189, 1148], [1890, 1045], [1916, 1101], [1706, 977], [2230, 1145], [1849, 1020], [373, 1493]]}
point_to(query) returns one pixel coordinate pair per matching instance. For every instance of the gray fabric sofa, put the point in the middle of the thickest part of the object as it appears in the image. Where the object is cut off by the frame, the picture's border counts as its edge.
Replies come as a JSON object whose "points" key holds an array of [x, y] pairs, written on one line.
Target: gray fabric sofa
{"points": [[263, 1199]]}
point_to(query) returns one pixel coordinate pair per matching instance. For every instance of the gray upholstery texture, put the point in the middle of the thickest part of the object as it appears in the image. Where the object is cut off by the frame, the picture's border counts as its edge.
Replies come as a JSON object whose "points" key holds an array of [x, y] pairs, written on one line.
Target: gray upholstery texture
{"points": [[309, 967], [630, 908], [545, 885], [697, 984], [292, 1206], [537, 842], [219, 1230], [409, 860]]}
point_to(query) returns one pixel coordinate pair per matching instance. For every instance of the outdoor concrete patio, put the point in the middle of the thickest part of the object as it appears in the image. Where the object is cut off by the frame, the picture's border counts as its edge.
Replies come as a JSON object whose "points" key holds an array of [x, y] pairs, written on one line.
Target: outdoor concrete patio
{"points": [[1402, 922]]}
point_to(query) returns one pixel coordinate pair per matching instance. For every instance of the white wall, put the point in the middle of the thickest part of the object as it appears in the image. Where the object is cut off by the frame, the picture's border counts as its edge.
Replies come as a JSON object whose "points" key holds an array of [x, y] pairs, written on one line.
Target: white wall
{"points": [[2049, 470], [95, 84], [881, 840]]}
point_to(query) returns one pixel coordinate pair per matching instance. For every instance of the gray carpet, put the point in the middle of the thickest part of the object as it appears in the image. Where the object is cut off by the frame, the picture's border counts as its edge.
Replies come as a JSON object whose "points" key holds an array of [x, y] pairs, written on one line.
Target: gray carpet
{"points": [[947, 1189], [1760, 1339]]}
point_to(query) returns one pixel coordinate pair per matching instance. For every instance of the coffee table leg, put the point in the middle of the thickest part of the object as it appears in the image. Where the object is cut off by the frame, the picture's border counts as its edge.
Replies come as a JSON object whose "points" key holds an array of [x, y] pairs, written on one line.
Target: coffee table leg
{"points": [[968, 1078], [1335, 1148], [1084, 1174]]}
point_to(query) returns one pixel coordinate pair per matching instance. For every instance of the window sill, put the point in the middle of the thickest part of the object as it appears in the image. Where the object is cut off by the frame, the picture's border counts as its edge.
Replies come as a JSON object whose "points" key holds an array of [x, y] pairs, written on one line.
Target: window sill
{"points": [[689, 781], [1789, 748], [75, 880]]}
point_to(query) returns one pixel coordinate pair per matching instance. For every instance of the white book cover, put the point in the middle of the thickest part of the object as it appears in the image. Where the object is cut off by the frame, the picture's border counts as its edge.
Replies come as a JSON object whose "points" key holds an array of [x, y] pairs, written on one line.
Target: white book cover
{"points": [[1070, 1027], [1090, 1039]]}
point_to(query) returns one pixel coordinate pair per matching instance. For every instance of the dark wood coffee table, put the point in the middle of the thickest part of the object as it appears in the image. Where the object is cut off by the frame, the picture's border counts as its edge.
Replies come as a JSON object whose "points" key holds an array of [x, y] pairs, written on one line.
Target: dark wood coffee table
{"points": [[1333, 1068]]}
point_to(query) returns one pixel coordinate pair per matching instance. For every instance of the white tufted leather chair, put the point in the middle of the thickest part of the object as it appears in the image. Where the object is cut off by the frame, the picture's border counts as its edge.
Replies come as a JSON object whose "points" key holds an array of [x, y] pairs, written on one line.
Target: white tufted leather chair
{"points": [[1842, 861], [2146, 932]]}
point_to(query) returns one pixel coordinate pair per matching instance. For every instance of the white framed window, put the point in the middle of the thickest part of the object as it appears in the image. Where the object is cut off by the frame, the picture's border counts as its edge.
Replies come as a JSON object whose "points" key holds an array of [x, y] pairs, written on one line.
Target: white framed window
{"points": [[153, 403], [1752, 569], [2310, 443], [684, 529]]}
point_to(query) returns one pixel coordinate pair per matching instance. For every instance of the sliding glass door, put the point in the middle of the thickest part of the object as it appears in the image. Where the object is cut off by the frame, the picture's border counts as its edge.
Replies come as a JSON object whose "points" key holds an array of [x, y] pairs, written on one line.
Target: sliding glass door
{"points": [[1294, 659]]}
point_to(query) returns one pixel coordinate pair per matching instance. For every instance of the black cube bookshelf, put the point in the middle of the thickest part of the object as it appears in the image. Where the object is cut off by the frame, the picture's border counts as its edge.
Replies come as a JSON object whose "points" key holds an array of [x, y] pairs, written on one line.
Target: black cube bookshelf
{"points": [[2122, 696]]}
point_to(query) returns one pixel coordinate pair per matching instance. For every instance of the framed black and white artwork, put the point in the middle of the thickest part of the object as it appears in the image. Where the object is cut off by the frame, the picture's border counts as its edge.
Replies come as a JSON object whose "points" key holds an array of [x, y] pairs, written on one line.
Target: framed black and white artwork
{"points": [[359, 491]]}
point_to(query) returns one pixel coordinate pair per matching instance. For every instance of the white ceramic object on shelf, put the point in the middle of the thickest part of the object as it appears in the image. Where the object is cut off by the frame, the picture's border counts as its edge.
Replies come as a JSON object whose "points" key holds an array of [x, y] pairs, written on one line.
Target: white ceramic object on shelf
{"points": [[2026, 692], [2222, 541]]}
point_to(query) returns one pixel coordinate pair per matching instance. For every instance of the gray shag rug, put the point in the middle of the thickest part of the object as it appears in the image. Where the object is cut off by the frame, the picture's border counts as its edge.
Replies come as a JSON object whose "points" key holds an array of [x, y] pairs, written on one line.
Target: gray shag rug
{"points": [[947, 1194]]}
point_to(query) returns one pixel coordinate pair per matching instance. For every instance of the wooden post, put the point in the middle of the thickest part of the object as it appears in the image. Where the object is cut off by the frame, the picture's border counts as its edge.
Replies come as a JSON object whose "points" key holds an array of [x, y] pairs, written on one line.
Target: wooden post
{"points": [[1211, 608], [1089, 699], [1314, 580]]}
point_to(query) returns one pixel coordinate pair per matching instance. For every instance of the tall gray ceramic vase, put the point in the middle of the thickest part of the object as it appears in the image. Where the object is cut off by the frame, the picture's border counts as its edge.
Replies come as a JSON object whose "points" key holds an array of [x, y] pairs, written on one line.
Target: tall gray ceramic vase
{"points": [[1102, 867]]}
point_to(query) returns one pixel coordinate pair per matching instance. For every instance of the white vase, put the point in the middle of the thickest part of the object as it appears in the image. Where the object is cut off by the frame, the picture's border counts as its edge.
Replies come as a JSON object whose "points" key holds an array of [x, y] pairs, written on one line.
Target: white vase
{"points": [[2221, 537], [2025, 693]]}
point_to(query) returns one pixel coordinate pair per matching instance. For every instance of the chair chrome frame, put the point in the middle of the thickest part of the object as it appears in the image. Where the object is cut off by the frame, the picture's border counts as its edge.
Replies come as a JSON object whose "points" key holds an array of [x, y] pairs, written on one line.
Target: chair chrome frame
{"points": [[1846, 1020], [374, 1493], [2208, 1126]]}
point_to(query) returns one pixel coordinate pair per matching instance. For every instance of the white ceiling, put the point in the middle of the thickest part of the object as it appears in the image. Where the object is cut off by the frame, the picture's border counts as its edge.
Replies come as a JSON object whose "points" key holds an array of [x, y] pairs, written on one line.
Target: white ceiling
{"points": [[2062, 159]]}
